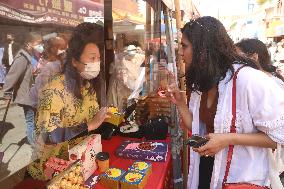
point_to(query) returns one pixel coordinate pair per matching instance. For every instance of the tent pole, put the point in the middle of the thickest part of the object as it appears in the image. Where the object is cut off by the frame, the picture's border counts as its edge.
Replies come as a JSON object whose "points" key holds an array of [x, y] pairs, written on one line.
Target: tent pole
{"points": [[181, 71]]}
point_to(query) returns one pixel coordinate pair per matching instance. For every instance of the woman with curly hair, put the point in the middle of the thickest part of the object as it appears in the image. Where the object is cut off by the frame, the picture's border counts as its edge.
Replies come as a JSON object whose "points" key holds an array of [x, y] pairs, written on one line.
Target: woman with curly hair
{"points": [[237, 107], [257, 50], [68, 105]]}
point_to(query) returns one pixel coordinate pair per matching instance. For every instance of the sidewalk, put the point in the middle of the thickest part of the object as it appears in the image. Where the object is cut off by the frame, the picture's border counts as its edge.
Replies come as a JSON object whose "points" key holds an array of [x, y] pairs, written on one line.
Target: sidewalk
{"points": [[17, 153], [3, 104]]}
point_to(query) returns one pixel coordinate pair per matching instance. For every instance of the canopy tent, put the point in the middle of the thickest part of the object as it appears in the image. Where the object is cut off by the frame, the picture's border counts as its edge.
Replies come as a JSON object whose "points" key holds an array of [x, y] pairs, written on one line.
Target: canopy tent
{"points": [[124, 22]]}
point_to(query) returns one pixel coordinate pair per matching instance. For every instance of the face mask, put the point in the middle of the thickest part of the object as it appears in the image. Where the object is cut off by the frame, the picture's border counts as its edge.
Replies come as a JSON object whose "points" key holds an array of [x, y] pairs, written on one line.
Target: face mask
{"points": [[91, 71], [131, 53], [39, 48], [59, 52]]}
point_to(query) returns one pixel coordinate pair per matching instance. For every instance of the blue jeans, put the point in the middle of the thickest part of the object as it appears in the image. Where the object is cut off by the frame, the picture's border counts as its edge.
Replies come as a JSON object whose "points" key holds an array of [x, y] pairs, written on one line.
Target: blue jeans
{"points": [[30, 122]]}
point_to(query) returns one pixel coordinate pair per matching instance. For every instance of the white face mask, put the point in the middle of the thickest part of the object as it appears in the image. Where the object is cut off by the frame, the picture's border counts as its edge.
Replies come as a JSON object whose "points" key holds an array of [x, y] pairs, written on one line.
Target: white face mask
{"points": [[91, 71], [39, 48], [59, 52]]}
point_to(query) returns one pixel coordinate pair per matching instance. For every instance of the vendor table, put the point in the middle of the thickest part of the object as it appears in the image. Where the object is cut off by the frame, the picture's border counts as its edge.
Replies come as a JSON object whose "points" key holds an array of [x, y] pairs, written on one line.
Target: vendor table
{"points": [[159, 179], [161, 171]]}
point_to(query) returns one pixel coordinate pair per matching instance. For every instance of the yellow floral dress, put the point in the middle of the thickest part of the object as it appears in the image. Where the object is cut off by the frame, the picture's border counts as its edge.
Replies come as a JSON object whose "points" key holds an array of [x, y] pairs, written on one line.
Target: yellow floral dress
{"points": [[58, 107]]}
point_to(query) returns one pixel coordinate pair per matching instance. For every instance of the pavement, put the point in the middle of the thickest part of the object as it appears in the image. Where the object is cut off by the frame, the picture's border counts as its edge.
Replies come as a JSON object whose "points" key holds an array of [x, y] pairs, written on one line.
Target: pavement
{"points": [[17, 152]]}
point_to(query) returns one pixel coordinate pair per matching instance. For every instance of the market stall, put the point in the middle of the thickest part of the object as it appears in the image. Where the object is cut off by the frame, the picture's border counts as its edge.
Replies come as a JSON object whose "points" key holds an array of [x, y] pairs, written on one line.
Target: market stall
{"points": [[144, 113], [160, 178]]}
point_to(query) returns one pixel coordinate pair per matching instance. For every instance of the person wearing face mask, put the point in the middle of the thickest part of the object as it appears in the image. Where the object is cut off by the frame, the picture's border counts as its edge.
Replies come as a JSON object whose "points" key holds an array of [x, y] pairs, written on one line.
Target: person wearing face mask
{"points": [[68, 107], [52, 65], [54, 51], [19, 79]]}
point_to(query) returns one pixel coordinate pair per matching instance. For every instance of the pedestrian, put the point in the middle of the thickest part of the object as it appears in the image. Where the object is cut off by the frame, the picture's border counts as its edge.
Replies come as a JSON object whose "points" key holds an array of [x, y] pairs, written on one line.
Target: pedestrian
{"points": [[11, 47], [257, 107], [256, 50], [19, 79], [54, 57], [272, 50], [2, 67]]}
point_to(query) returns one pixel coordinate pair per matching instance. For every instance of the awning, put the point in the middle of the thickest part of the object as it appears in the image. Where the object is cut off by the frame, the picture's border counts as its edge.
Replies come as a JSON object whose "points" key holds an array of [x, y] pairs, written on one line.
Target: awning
{"points": [[122, 16], [275, 29], [61, 12]]}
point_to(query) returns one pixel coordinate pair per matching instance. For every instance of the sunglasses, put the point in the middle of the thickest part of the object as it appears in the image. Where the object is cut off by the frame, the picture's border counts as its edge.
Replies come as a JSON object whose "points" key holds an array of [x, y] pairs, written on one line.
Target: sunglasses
{"points": [[193, 21]]}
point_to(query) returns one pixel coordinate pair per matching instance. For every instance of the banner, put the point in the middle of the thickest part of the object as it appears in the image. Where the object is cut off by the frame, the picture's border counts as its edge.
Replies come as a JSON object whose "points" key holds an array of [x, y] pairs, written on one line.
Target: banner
{"points": [[61, 12]]}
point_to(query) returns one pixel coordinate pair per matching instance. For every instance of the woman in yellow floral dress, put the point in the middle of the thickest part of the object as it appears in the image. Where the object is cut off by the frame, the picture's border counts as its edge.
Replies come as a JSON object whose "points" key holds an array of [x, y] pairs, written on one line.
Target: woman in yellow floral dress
{"points": [[68, 105]]}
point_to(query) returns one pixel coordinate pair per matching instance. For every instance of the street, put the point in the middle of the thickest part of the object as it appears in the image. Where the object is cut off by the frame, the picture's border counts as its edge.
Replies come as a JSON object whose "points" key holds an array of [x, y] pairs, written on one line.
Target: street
{"points": [[17, 153]]}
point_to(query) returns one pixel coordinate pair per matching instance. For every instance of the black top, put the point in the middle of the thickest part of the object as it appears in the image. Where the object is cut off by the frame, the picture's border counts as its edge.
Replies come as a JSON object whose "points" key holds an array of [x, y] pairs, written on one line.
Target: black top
{"points": [[102, 156], [206, 164]]}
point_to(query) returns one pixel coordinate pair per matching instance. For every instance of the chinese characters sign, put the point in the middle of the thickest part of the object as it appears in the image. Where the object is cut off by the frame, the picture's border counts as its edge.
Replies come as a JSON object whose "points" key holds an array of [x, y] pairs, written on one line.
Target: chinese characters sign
{"points": [[63, 12]]}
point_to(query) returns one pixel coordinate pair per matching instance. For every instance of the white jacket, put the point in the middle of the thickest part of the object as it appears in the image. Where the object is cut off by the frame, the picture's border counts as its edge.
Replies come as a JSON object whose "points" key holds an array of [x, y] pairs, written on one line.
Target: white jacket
{"points": [[260, 107]]}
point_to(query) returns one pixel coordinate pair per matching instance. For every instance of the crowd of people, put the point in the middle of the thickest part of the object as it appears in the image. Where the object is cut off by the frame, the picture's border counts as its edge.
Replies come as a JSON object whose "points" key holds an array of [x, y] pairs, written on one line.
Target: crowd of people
{"points": [[236, 99]]}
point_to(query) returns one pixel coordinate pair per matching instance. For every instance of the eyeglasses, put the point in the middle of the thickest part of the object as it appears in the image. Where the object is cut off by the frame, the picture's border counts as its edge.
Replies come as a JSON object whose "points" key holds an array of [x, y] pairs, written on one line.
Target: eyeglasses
{"points": [[193, 21]]}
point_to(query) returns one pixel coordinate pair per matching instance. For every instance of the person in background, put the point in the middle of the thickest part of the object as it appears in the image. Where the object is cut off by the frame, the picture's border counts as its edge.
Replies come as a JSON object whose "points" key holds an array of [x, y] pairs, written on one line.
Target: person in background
{"points": [[19, 80], [256, 50], [279, 56], [2, 67], [10, 49], [211, 62], [55, 48], [272, 48], [54, 55], [68, 105]]}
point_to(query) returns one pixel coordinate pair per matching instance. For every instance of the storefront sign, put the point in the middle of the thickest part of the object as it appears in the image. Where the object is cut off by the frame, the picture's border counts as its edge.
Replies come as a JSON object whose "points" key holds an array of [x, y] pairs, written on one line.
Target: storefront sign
{"points": [[275, 29], [62, 12]]}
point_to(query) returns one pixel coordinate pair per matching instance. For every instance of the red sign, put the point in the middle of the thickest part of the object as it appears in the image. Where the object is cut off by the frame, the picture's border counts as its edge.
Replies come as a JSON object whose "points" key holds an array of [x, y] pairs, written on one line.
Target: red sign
{"points": [[63, 12]]}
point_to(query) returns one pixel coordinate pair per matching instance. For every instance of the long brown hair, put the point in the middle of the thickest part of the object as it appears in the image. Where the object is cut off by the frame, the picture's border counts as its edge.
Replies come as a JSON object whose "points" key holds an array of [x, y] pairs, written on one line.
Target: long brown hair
{"points": [[214, 53]]}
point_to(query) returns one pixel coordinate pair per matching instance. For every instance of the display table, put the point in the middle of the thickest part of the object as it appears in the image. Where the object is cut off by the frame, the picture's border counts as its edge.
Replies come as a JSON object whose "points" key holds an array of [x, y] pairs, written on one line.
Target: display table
{"points": [[159, 179], [161, 175]]}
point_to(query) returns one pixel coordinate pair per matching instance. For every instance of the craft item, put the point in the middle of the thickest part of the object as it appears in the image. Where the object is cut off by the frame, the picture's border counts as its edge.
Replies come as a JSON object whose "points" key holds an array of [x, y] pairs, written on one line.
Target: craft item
{"points": [[111, 177], [86, 151], [141, 167], [54, 166], [116, 117], [133, 180], [103, 161], [153, 151]]}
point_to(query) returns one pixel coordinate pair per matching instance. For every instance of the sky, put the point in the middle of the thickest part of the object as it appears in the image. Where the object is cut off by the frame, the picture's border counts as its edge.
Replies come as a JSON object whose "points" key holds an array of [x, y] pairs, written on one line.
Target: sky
{"points": [[224, 7]]}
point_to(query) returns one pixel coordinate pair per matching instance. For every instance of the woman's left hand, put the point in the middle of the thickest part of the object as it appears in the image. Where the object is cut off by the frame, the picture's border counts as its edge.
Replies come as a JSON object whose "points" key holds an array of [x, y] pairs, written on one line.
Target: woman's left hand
{"points": [[216, 143]]}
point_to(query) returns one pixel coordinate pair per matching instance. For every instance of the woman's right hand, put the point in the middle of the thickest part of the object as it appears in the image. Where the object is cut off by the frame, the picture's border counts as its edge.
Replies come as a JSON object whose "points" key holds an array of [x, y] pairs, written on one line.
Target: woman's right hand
{"points": [[175, 95], [99, 118]]}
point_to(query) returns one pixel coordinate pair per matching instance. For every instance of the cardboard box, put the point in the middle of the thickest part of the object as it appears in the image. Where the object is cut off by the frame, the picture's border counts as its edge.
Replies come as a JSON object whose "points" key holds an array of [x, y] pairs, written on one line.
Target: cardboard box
{"points": [[86, 151], [54, 166], [152, 151]]}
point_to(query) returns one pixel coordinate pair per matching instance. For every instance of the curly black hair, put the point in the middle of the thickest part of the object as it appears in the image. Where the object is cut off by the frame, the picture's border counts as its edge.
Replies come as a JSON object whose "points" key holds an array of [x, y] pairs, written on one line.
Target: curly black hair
{"points": [[251, 46], [214, 53], [83, 34]]}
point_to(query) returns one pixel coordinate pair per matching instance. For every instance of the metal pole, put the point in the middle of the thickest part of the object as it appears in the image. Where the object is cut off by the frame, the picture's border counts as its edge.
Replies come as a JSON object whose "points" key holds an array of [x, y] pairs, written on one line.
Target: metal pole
{"points": [[175, 131], [182, 86]]}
